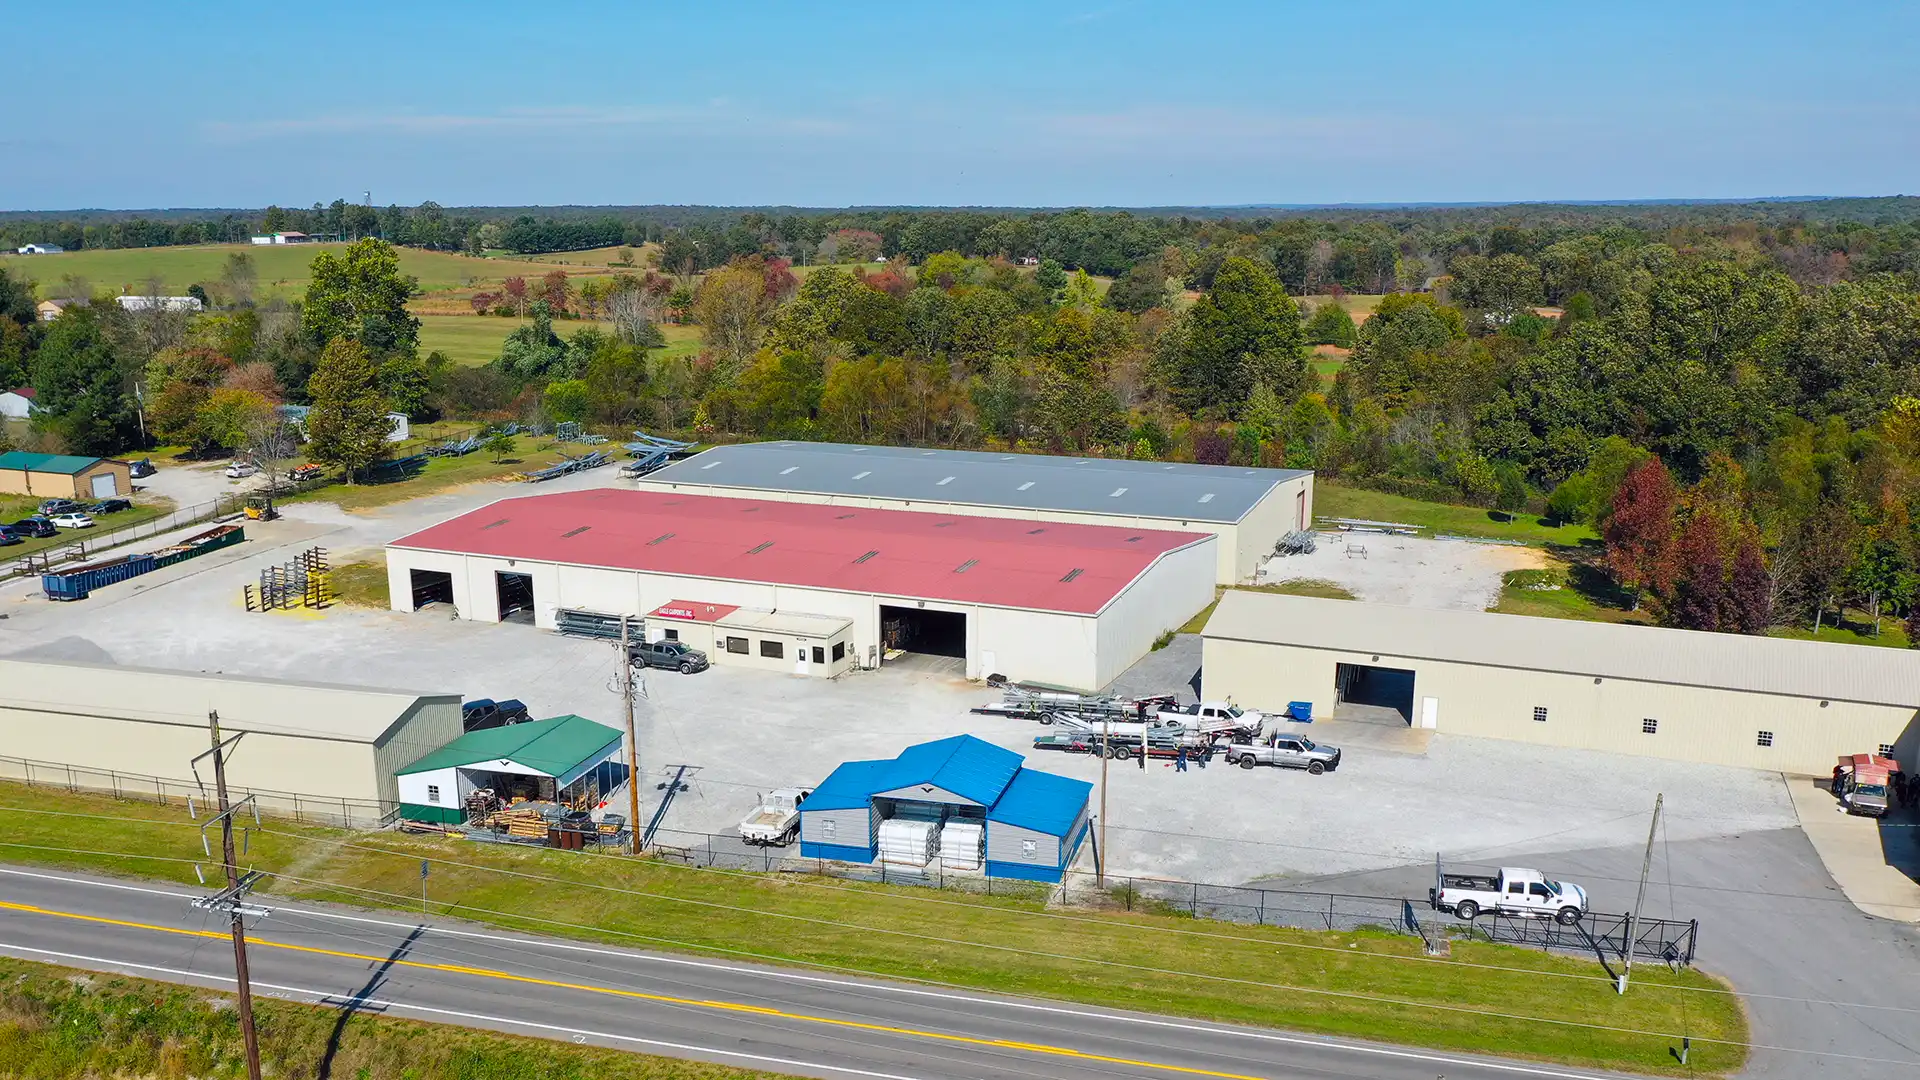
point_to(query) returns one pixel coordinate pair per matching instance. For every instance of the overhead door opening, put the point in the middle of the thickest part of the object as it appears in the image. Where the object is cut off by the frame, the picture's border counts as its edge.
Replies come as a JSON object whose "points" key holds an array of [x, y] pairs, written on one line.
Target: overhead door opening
{"points": [[431, 587], [917, 630], [1366, 692], [516, 596]]}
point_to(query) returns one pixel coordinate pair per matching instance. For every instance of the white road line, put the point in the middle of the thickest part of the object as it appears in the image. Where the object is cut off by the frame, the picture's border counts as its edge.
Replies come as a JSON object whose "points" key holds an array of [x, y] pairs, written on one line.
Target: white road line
{"points": [[480, 1021], [906, 991]]}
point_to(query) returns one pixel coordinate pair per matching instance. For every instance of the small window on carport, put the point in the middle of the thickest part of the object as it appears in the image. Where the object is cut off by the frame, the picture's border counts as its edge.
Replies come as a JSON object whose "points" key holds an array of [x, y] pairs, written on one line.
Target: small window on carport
{"points": [[1650, 726]]}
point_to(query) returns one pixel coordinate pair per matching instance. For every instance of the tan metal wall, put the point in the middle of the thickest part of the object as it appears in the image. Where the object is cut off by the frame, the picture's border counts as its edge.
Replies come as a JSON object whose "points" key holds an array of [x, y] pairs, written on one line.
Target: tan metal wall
{"points": [[1695, 723], [51, 485], [1287, 507]]}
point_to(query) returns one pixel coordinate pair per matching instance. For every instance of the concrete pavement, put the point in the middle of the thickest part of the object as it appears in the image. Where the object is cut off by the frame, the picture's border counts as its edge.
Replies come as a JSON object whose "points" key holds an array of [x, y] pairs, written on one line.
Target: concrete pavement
{"points": [[790, 1021]]}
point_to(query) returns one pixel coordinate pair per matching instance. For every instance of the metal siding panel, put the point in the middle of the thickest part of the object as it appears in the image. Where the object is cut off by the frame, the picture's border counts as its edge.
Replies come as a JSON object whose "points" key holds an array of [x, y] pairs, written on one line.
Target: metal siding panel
{"points": [[1003, 845]]}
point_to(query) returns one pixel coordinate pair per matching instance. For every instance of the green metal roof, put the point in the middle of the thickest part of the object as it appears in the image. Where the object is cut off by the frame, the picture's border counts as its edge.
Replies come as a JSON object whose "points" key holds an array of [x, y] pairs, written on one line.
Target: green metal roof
{"points": [[554, 746], [50, 463]]}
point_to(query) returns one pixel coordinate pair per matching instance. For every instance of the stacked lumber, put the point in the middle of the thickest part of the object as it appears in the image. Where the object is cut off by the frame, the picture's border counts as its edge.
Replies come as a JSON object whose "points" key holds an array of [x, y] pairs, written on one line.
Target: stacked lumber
{"points": [[522, 821]]}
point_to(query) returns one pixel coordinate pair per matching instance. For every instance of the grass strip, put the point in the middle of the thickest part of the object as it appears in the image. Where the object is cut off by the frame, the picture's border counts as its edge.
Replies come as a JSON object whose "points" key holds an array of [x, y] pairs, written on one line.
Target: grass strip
{"points": [[58, 1024], [1370, 984], [1334, 500]]}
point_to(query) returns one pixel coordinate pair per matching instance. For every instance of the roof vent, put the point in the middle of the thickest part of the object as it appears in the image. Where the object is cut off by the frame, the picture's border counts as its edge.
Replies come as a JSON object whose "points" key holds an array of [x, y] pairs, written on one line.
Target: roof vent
{"points": [[1117, 492], [1036, 532], [867, 556], [575, 532], [1074, 573], [1208, 497], [843, 517], [710, 464], [942, 524], [760, 548], [965, 566], [863, 475], [662, 538], [495, 525], [1026, 485], [945, 482], [788, 469], [1135, 539]]}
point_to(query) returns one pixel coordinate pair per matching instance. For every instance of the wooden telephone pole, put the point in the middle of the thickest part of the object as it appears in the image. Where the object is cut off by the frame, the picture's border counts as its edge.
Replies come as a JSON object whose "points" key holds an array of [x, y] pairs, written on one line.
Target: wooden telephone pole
{"points": [[633, 740], [230, 899], [1640, 899]]}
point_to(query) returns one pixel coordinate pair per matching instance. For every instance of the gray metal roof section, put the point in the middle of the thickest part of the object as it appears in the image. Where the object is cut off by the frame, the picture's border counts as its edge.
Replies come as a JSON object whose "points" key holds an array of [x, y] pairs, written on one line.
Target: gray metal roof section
{"points": [[1151, 489], [1807, 669]]}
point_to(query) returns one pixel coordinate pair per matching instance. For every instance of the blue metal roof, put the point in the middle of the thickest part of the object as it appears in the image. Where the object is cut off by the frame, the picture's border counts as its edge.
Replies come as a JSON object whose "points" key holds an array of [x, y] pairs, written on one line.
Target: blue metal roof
{"points": [[848, 787], [1042, 802], [962, 764]]}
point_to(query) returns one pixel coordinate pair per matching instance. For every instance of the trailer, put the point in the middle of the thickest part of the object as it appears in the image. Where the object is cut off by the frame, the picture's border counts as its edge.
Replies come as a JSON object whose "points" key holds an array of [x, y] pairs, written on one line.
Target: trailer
{"points": [[1038, 701]]}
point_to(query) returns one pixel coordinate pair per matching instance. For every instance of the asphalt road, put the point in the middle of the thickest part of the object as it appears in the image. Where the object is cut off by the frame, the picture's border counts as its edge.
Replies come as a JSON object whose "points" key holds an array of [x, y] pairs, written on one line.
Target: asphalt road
{"points": [[786, 1021]]}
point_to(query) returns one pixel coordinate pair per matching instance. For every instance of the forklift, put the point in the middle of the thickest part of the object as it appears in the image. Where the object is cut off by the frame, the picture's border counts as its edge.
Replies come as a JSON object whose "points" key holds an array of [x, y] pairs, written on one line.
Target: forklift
{"points": [[260, 508]]}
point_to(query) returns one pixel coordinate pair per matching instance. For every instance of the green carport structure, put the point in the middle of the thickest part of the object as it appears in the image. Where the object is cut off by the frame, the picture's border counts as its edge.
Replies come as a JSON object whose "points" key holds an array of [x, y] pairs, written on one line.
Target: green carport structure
{"points": [[553, 760]]}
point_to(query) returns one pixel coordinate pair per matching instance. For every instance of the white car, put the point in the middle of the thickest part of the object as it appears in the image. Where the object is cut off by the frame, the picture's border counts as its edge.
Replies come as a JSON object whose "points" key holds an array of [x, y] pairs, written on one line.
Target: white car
{"points": [[240, 470], [71, 521]]}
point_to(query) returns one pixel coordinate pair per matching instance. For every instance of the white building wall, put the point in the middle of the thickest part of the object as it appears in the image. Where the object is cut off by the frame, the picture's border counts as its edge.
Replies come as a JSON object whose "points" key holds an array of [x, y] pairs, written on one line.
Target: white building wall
{"points": [[1287, 507], [1695, 723], [1167, 595]]}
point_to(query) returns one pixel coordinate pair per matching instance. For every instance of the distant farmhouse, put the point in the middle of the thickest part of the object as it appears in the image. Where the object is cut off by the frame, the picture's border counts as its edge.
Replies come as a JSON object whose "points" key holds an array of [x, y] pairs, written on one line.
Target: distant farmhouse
{"points": [[42, 249], [285, 238], [49, 310], [16, 404], [170, 303]]}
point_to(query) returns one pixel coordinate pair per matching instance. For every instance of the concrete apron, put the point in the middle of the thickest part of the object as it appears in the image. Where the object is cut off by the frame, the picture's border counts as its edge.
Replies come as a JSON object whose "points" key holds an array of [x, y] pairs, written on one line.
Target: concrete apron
{"points": [[1871, 860]]}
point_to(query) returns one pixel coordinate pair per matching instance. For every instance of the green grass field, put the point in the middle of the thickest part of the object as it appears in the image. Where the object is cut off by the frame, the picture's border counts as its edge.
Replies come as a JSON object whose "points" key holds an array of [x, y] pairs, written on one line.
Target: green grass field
{"points": [[1325, 590], [1332, 499], [475, 339], [282, 270], [15, 507], [62, 1024], [441, 473], [1489, 999]]}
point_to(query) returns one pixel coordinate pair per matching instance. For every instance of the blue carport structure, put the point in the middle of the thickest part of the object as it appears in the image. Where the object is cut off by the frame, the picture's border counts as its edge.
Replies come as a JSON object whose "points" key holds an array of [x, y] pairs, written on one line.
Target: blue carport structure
{"points": [[1035, 822]]}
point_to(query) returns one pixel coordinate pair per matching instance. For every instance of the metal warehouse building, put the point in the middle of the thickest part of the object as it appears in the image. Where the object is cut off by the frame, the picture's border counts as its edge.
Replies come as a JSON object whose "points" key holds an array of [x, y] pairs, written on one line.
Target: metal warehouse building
{"points": [[1032, 822], [1248, 509], [1062, 603], [317, 740], [557, 759], [1767, 703]]}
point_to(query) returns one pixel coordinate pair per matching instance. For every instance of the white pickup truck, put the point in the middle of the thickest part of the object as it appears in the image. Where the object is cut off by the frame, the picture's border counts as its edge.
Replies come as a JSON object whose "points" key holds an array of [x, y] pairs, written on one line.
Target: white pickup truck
{"points": [[775, 821], [1515, 891], [1211, 718]]}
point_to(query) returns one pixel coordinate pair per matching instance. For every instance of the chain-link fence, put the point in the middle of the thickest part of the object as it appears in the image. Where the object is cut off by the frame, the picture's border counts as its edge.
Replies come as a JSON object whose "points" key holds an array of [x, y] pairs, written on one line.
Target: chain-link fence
{"points": [[307, 809]]}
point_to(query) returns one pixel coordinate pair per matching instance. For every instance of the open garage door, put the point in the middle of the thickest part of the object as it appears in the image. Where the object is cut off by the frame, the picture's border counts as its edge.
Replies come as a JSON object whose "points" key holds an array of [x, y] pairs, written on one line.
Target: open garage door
{"points": [[1377, 694], [516, 596], [431, 587], [928, 633]]}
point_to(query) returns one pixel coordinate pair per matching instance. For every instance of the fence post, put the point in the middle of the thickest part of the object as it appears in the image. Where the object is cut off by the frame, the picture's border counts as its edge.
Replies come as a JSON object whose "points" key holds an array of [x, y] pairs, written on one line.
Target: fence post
{"points": [[1329, 911], [1263, 907], [71, 786]]}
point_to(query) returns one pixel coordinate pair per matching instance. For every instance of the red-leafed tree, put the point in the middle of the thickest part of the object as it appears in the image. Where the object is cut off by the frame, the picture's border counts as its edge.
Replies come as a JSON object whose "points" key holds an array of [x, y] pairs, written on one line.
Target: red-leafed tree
{"points": [[781, 283], [516, 289], [1699, 598], [1639, 531], [556, 291], [1749, 607], [1211, 448]]}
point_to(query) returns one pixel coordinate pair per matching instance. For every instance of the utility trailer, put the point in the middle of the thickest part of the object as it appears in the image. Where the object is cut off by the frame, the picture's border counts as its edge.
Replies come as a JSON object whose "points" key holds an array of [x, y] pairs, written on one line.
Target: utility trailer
{"points": [[1038, 701]]}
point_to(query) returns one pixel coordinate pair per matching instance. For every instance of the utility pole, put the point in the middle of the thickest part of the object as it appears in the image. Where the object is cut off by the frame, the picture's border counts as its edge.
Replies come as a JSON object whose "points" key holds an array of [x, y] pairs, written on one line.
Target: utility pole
{"points": [[1106, 758], [1633, 917], [229, 899], [633, 739]]}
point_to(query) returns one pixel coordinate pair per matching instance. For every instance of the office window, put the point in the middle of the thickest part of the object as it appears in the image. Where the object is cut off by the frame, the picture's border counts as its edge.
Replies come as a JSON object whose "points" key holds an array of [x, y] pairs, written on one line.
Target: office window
{"points": [[1029, 849], [839, 649], [1765, 739], [1650, 726], [773, 650], [1886, 749], [819, 655], [737, 645], [1540, 713], [671, 635], [433, 793]]}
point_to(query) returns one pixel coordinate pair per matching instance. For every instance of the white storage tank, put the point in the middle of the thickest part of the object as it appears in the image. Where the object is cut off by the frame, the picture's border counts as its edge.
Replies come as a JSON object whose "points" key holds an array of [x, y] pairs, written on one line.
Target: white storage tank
{"points": [[961, 845], [908, 843]]}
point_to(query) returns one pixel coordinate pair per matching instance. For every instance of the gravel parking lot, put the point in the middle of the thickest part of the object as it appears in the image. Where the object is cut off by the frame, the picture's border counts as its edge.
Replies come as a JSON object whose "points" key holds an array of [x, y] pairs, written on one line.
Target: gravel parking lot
{"points": [[1407, 570]]}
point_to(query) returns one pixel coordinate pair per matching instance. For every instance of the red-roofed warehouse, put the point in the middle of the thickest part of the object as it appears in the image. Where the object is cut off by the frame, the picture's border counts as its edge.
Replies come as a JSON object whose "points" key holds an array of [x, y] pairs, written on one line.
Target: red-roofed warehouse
{"points": [[817, 588]]}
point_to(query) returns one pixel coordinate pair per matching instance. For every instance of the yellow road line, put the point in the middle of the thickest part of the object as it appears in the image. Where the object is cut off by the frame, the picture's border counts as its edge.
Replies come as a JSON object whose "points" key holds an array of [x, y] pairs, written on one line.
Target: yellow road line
{"points": [[726, 1006]]}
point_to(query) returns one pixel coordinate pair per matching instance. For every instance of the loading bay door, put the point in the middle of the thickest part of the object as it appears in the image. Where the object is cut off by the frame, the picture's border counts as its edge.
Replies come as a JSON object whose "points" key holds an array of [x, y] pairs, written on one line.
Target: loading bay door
{"points": [[1374, 689], [917, 630], [431, 587], [516, 596]]}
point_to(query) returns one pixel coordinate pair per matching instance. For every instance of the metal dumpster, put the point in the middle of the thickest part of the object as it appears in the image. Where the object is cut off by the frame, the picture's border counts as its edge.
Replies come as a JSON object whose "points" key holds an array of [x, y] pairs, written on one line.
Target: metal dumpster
{"points": [[77, 583]]}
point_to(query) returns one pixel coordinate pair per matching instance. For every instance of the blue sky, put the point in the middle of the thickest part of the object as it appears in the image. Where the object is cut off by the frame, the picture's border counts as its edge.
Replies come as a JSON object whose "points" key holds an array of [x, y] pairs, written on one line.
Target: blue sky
{"points": [[1104, 102]]}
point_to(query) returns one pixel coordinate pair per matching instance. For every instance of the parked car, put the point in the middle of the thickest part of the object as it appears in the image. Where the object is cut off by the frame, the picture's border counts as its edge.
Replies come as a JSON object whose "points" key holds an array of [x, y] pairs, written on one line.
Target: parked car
{"points": [[669, 654], [75, 520], [33, 528], [1515, 891], [8, 536], [140, 469], [58, 506], [306, 472], [240, 470], [1286, 751], [110, 506]]}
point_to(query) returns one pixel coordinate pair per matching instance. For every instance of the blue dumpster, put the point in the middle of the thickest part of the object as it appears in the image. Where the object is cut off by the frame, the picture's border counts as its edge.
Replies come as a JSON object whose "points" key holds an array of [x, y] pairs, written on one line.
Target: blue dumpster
{"points": [[1301, 711]]}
